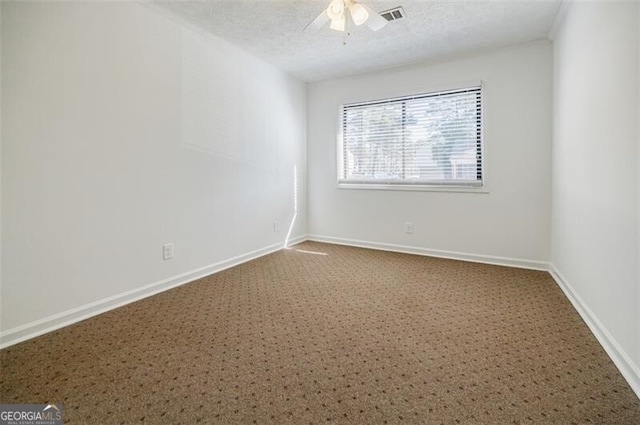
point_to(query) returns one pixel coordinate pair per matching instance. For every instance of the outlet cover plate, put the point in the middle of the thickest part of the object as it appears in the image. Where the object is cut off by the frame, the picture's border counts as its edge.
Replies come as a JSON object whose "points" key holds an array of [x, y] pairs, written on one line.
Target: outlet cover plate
{"points": [[408, 228], [167, 251]]}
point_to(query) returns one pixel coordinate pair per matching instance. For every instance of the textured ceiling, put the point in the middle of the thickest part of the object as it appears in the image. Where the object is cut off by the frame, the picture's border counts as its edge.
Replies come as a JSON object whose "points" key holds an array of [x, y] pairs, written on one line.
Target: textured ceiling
{"points": [[272, 30]]}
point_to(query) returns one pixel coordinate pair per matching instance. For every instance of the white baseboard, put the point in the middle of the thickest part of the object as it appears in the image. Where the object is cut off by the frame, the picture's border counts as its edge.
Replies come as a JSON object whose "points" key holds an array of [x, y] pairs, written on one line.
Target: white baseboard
{"points": [[69, 317], [623, 362], [454, 255]]}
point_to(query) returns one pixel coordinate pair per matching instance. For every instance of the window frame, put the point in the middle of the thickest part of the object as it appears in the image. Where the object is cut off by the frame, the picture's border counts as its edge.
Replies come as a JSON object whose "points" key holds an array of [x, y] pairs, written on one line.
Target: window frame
{"points": [[435, 186]]}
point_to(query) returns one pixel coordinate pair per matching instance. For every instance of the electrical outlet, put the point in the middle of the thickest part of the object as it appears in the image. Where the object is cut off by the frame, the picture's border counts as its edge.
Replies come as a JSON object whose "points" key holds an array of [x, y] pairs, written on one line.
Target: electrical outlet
{"points": [[276, 226], [408, 227], [167, 251]]}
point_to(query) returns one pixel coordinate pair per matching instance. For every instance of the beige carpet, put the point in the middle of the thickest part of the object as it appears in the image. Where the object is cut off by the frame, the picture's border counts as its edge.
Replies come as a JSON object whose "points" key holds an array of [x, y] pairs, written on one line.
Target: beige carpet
{"points": [[331, 335]]}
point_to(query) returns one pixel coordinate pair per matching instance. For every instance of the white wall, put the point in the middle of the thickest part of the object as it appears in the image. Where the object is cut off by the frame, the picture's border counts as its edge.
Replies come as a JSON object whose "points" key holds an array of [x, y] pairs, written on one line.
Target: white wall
{"points": [[595, 194], [1, 168], [511, 221], [123, 130]]}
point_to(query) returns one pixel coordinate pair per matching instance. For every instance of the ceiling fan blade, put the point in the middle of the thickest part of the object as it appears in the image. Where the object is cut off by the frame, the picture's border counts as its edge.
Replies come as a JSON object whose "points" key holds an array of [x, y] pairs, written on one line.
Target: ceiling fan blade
{"points": [[375, 21], [318, 23]]}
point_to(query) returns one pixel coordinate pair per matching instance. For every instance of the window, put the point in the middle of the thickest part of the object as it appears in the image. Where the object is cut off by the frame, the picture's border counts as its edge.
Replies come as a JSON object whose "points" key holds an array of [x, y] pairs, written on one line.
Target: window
{"points": [[425, 139]]}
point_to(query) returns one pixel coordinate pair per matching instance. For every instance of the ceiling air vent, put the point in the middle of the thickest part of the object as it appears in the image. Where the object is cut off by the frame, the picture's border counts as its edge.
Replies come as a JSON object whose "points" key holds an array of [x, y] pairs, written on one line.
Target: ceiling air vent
{"points": [[393, 14]]}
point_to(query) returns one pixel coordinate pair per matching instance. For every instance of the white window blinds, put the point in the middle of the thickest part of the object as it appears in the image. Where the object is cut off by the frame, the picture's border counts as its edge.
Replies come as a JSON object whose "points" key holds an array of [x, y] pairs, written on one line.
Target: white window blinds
{"points": [[425, 139]]}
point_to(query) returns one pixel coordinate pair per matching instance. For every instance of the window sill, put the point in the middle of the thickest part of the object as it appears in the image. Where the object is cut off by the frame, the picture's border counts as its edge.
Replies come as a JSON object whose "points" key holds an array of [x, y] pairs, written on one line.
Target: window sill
{"points": [[415, 188]]}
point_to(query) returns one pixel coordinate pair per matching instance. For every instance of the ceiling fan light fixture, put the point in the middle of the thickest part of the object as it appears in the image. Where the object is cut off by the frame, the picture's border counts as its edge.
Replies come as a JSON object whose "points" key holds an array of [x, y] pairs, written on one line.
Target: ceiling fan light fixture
{"points": [[335, 11], [347, 13], [338, 24], [359, 13]]}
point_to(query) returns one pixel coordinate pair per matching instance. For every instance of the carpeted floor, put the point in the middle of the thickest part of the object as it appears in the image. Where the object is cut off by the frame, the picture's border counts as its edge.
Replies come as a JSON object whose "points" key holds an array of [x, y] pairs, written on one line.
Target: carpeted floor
{"points": [[331, 334]]}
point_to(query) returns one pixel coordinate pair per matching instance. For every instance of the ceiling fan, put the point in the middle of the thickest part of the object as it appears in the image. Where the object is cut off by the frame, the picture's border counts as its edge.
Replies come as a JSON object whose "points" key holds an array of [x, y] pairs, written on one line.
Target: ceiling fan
{"points": [[340, 12]]}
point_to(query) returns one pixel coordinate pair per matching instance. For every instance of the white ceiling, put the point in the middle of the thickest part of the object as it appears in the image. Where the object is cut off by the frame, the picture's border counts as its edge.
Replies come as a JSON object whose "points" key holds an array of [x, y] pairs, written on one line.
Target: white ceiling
{"points": [[272, 30]]}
